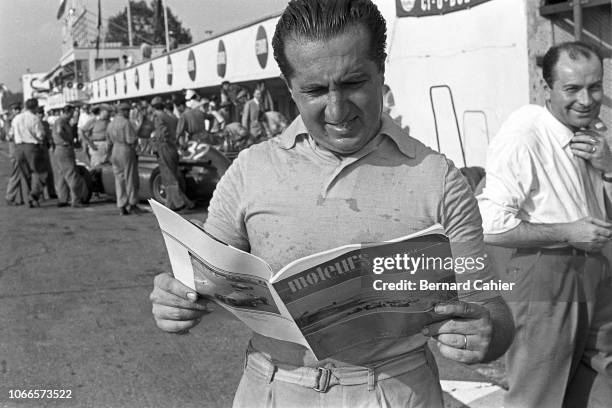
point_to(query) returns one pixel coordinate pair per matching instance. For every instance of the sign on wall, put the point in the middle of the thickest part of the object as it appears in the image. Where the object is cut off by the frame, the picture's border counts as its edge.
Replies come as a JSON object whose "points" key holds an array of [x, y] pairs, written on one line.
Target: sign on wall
{"points": [[261, 47], [169, 70], [191, 65], [421, 8], [151, 75], [136, 78], [221, 59]]}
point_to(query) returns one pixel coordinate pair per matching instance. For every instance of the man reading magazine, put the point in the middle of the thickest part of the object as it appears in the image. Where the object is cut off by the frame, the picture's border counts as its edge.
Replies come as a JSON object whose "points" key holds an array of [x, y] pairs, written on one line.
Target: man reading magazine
{"points": [[343, 172]]}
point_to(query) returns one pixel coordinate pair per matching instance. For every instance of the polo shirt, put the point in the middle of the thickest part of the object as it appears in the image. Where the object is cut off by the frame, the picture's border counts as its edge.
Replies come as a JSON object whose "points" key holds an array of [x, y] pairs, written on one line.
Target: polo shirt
{"points": [[287, 197], [121, 131]]}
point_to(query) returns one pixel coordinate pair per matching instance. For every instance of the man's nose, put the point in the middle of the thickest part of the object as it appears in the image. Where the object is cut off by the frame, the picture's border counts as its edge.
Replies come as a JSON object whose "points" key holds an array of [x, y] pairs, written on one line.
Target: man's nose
{"points": [[337, 107], [584, 97]]}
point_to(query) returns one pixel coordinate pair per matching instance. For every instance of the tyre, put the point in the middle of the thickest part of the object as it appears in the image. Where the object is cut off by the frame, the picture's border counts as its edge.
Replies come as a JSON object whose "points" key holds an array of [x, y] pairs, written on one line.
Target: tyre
{"points": [[158, 190], [89, 184]]}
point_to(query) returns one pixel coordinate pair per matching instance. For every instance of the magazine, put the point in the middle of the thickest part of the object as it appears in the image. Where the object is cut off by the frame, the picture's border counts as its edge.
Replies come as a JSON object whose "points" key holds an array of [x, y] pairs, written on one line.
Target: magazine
{"points": [[329, 301]]}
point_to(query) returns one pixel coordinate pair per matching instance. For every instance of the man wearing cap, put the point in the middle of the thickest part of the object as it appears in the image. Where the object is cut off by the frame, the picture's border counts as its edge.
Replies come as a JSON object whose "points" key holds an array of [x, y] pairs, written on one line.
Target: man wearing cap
{"points": [[122, 141], [69, 185], [341, 173], [94, 134], [167, 156]]}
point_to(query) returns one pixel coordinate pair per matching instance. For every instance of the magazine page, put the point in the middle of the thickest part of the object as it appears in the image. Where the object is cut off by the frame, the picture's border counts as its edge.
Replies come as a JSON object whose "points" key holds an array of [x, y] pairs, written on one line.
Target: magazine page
{"points": [[359, 293], [233, 279]]}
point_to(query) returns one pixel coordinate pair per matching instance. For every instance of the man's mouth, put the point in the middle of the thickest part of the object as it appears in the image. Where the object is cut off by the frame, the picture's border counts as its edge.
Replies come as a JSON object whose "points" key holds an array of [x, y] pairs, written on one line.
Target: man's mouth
{"points": [[343, 126]]}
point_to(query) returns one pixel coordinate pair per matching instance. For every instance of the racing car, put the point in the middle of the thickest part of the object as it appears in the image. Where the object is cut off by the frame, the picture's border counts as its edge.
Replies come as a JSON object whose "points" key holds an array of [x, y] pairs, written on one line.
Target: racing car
{"points": [[200, 165]]}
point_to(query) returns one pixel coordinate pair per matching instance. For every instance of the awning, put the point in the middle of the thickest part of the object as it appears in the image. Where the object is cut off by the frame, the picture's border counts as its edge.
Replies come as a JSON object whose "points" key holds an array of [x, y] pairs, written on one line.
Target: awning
{"points": [[51, 73]]}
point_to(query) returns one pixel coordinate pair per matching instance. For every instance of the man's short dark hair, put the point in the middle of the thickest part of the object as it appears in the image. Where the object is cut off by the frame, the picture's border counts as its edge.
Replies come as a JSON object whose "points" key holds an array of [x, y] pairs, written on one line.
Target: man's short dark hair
{"points": [[323, 19], [31, 104], [178, 99], [573, 49], [68, 109]]}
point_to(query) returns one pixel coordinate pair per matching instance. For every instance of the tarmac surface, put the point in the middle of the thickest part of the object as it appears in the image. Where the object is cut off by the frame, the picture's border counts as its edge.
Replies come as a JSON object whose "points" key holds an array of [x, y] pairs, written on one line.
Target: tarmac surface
{"points": [[75, 316]]}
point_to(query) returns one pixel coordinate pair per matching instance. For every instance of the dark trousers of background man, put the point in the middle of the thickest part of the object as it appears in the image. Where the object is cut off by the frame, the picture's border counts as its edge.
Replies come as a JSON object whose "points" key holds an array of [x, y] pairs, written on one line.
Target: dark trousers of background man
{"points": [[30, 158], [168, 160], [69, 185], [125, 168]]}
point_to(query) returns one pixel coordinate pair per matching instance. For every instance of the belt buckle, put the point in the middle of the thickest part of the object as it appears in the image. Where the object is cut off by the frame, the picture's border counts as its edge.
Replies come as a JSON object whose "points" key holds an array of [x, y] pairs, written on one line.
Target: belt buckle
{"points": [[323, 379]]}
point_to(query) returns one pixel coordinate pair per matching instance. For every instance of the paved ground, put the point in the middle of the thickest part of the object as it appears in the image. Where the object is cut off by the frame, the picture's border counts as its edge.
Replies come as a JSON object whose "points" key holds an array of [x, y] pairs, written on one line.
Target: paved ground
{"points": [[75, 315]]}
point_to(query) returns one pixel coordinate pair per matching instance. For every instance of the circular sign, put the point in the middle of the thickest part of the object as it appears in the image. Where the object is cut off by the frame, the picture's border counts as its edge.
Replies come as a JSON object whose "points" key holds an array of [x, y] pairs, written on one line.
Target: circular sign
{"points": [[124, 83], [169, 70], [261, 47], [136, 78], [221, 59], [408, 5], [191, 65], [152, 75], [115, 84]]}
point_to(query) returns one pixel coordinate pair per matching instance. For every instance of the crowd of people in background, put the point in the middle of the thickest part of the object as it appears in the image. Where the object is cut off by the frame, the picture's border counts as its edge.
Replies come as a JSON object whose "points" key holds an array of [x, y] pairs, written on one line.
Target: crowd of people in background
{"points": [[43, 144]]}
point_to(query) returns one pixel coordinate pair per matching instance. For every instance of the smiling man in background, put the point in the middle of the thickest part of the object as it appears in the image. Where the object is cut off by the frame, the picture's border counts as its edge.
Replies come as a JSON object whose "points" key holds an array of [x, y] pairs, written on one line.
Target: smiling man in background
{"points": [[334, 177], [548, 193]]}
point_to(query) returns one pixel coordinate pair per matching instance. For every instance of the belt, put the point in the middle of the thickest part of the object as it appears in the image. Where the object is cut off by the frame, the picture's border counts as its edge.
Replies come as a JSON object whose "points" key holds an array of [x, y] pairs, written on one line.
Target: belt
{"points": [[25, 143], [321, 379]]}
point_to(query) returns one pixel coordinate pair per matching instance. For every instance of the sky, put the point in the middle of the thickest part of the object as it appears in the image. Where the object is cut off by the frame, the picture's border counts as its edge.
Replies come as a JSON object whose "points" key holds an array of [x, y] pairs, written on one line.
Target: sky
{"points": [[31, 36]]}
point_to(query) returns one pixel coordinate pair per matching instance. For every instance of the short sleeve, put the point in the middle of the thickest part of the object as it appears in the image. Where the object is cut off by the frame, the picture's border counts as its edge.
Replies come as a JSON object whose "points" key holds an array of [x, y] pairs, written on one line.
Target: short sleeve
{"points": [[463, 225], [226, 212]]}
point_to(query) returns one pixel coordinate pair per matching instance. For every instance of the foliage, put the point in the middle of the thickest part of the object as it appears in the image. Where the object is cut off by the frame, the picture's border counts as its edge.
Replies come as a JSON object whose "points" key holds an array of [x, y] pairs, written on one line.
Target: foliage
{"points": [[147, 25]]}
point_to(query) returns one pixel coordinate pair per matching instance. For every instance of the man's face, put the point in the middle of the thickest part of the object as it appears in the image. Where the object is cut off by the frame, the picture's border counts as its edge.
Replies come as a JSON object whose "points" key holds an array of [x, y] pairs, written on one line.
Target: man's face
{"points": [[257, 94], [104, 114], [577, 92], [337, 89]]}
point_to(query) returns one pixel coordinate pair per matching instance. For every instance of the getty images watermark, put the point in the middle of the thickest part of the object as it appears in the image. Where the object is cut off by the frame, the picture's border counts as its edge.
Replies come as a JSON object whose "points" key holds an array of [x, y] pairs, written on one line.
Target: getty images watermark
{"points": [[408, 272]]}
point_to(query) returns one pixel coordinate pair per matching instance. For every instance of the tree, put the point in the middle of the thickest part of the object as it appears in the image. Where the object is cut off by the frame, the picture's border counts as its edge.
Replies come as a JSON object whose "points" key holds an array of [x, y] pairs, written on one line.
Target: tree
{"points": [[147, 25]]}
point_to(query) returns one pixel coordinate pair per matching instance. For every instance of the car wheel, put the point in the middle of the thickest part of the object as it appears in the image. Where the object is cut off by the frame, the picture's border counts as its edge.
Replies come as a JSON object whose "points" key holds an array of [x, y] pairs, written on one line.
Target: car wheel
{"points": [[89, 184], [158, 190]]}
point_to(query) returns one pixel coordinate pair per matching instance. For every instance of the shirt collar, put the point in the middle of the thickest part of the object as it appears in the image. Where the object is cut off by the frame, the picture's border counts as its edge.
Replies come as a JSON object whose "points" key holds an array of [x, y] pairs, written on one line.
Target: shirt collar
{"points": [[404, 143], [559, 131]]}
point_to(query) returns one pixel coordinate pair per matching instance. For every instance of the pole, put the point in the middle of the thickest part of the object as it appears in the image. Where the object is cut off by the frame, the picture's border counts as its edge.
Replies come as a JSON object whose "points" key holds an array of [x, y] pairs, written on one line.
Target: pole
{"points": [[166, 26], [129, 21], [577, 20]]}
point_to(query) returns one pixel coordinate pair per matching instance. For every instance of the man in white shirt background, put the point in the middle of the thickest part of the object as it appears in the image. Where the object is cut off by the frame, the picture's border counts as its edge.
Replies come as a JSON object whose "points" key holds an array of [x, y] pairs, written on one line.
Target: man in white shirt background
{"points": [[548, 193], [28, 134]]}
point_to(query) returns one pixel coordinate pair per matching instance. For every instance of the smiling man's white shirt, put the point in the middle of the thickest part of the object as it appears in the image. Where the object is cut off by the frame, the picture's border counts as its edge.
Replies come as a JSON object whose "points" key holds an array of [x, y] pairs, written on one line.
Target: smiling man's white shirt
{"points": [[541, 181]]}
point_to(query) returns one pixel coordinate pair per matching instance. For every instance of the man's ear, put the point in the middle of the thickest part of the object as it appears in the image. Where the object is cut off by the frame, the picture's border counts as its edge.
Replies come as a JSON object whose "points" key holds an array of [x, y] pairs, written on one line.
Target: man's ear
{"points": [[547, 89], [287, 84]]}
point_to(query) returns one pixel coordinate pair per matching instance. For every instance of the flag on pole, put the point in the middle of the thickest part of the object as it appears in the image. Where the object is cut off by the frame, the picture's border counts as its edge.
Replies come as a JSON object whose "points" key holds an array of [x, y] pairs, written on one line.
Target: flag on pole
{"points": [[61, 9]]}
